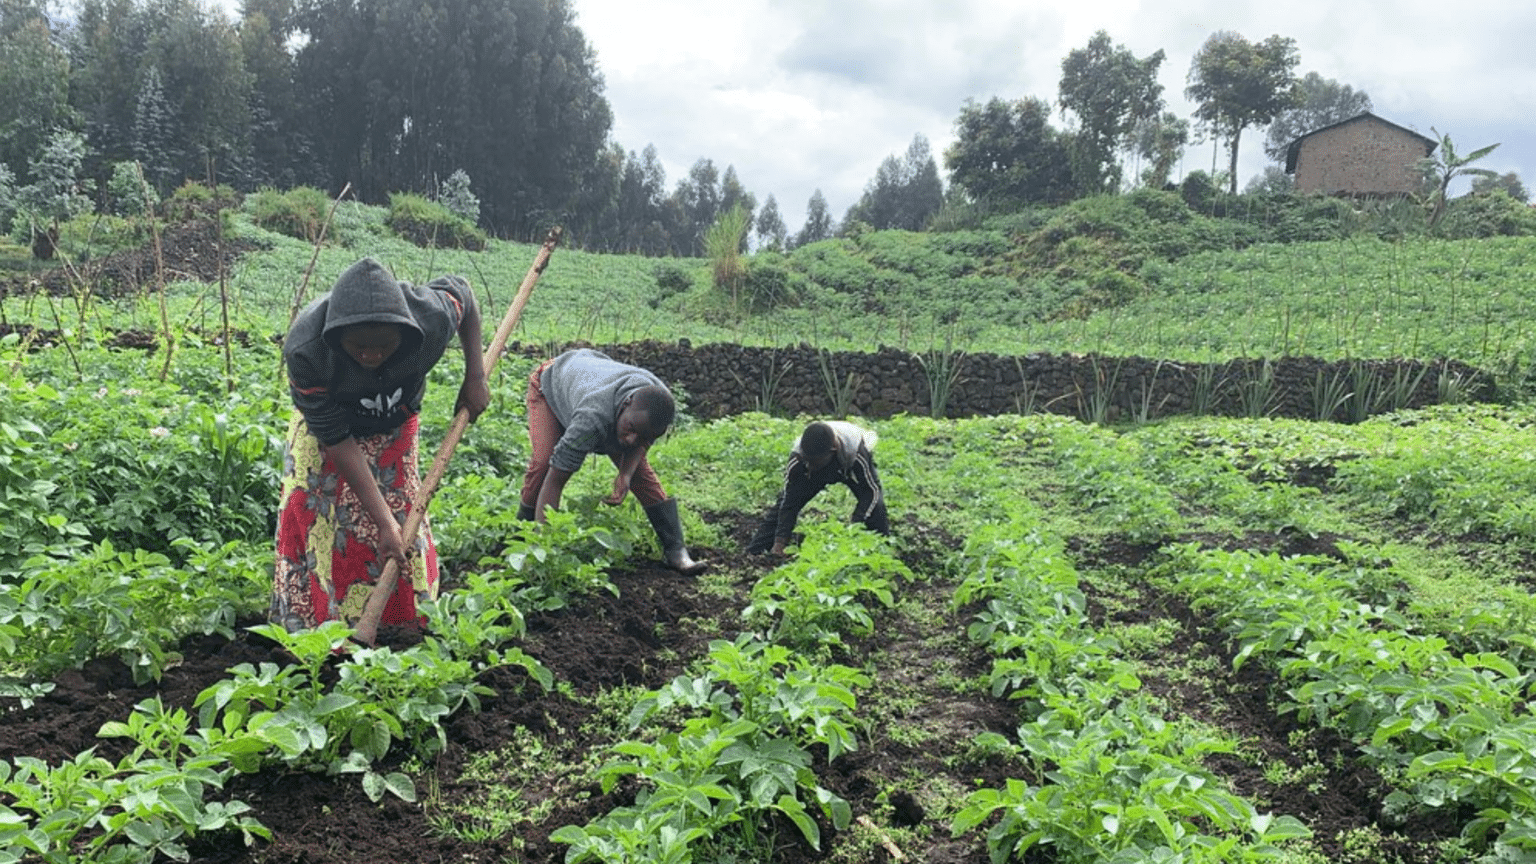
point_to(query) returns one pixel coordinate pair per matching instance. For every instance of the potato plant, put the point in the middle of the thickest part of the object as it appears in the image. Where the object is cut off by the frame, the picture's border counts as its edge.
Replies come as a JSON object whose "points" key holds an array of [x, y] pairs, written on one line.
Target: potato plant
{"points": [[136, 491]]}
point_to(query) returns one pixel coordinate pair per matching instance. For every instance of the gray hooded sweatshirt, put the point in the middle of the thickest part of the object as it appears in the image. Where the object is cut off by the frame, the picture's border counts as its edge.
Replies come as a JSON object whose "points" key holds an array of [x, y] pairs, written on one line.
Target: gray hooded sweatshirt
{"points": [[340, 399], [586, 390]]}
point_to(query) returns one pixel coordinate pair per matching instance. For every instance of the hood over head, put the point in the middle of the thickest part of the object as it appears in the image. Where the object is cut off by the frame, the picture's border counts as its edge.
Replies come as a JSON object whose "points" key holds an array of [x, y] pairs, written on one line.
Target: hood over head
{"points": [[367, 293]]}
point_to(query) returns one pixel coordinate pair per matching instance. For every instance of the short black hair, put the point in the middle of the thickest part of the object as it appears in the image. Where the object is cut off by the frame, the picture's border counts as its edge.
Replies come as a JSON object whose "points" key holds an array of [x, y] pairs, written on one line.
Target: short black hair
{"points": [[818, 438], [659, 407]]}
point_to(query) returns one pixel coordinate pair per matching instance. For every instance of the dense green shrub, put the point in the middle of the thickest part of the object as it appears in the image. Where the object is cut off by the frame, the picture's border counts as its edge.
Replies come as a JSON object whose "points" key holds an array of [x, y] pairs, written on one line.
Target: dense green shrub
{"points": [[1114, 287], [87, 238], [1129, 228], [1084, 245], [1091, 253], [1487, 214], [1200, 234], [193, 200], [299, 212], [1202, 194], [127, 192], [1105, 217], [1291, 218], [914, 253], [1391, 218], [356, 224], [958, 216], [455, 194], [771, 282], [836, 266], [430, 224], [943, 277], [671, 278], [1161, 206], [1022, 222], [978, 245]]}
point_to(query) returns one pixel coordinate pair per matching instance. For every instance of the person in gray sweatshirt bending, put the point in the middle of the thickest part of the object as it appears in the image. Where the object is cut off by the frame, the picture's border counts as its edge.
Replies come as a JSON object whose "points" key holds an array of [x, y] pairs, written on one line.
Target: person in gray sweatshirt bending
{"points": [[584, 401], [828, 451]]}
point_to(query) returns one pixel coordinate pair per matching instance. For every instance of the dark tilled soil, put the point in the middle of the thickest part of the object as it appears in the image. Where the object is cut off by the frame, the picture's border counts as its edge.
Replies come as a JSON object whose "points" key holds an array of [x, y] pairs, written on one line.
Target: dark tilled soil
{"points": [[190, 251], [658, 624], [1313, 774]]}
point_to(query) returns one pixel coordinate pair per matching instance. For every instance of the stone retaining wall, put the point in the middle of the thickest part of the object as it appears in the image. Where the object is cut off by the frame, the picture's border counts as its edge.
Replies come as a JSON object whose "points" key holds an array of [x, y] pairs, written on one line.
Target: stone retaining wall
{"points": [[725, 379]]}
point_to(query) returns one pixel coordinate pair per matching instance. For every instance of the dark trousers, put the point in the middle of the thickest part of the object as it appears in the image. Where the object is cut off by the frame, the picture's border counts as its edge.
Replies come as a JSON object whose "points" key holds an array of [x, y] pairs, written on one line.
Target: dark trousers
{"points": [[800, 488]]}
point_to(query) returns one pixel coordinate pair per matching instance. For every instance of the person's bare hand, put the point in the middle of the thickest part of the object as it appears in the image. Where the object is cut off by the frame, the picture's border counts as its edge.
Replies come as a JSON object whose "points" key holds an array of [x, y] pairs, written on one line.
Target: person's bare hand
{"points": [[616, 497], [391, 546], [474, 395]]}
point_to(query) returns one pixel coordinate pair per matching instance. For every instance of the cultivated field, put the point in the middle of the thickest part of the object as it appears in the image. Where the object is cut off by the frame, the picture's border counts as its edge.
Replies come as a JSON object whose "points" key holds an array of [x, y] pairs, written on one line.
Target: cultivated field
{"points": [[1200, 639]]}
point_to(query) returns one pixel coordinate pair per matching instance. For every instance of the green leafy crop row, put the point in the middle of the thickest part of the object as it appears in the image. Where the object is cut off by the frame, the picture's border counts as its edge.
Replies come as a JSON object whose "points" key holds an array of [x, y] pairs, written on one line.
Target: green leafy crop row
{"points": [[1452, 730], [1116, 781]]}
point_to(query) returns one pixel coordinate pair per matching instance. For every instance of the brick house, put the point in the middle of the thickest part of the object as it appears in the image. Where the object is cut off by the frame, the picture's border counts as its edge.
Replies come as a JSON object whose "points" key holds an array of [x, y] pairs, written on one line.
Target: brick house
{"points": [[1364, 155]]}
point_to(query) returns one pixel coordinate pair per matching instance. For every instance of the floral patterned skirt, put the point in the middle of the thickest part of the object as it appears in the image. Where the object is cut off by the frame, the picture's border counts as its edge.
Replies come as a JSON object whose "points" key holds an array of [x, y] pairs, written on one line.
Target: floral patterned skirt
{"points": [[326, 563]]}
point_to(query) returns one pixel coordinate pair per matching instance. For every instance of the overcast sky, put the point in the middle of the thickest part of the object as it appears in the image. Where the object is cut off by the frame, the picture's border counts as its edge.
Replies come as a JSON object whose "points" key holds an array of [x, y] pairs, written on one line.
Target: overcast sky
{"points": [[800, 95]]}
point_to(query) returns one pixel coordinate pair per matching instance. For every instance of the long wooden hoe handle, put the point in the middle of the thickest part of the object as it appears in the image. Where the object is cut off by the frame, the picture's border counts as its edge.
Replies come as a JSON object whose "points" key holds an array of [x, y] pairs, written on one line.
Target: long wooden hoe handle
{"points": [[367, 629]]}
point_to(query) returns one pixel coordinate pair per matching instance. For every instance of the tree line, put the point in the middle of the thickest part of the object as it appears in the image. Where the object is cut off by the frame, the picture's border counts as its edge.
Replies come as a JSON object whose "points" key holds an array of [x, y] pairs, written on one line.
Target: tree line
{"points": [[386, 96]]}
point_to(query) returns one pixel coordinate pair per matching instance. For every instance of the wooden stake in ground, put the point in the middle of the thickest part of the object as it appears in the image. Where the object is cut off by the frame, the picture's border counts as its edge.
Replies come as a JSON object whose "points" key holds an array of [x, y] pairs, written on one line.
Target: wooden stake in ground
{"points": [[367, 629], [885, 839]]}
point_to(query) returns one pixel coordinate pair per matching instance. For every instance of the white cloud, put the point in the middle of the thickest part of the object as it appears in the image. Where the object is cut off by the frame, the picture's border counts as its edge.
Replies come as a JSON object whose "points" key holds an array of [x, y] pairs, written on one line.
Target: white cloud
{"points": [[805, 94]]}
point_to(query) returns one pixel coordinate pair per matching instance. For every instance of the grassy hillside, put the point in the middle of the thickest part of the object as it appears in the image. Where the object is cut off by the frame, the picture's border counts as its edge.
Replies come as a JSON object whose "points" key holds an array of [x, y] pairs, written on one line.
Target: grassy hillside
{"points": [[1133, 275]]}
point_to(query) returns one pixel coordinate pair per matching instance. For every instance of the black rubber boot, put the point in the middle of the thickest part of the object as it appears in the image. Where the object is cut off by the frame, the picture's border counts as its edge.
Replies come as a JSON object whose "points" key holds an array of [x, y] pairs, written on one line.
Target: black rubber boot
{"points": [[669, 530], [524, 512]]}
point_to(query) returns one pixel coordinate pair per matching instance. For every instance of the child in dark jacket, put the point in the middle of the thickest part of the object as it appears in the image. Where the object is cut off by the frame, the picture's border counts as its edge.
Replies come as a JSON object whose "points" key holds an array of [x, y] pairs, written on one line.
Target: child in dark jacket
{"points": [[357, 360], [827, 452]]}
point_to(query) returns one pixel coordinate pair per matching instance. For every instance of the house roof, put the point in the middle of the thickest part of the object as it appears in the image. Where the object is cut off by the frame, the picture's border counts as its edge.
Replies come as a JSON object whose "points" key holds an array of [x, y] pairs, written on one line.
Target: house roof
{"points": [[1295, 148]]}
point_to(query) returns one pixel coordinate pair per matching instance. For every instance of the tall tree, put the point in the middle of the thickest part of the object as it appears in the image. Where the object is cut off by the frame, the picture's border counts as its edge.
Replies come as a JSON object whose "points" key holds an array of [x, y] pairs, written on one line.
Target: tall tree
{"points": [[925, 191], [818, 221], [1271, 181], [1160, 140], [595, 223], [1235, 84], [643, 196], [283, 152], [204, 75], [770, 228], [698, 202], [203, 81], [34, 76], [1006, 153], [56, 192], [880, 203], [733, 195], [17, 15], [1322, 102], [7, 197], [905, 192], [156, 143], [621, 208], [1508, 182], [107, 49], [403, 92], [1109, 90]]}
